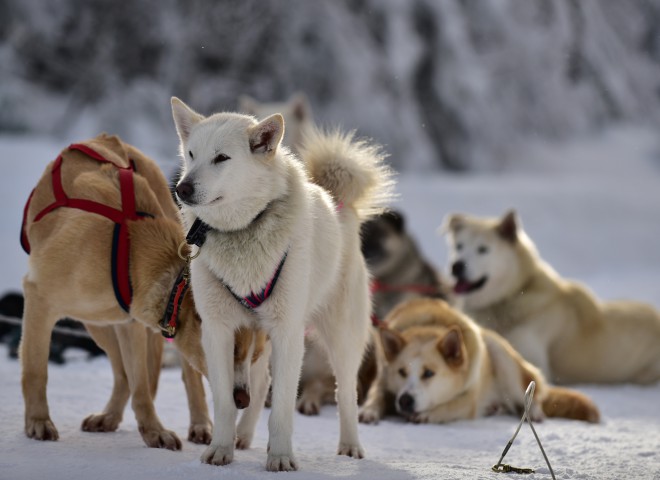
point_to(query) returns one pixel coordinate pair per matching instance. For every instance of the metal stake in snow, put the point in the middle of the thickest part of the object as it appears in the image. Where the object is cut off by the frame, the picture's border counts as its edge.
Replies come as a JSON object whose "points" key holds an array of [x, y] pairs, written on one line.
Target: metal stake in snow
{"points": [[529, 397]]}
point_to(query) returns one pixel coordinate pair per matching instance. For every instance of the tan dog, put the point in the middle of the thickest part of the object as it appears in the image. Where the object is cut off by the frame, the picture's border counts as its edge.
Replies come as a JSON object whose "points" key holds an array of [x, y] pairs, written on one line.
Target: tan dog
{"points": [[70, 276], [441, 366], [556, 324]]}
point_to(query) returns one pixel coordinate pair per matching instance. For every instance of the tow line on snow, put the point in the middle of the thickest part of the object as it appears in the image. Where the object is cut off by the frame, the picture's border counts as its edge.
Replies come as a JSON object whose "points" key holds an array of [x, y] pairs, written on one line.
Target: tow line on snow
{"points": [[63, 330], [503, 468]]}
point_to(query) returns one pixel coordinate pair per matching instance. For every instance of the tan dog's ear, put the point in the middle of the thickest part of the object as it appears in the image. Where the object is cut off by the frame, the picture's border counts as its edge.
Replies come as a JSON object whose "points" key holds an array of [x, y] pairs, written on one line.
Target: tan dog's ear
{"points": [[266, 136], [185, 118], [452, 223], [300, 107], [392, 343], [451, 347], [247, 105], [508, 226]]}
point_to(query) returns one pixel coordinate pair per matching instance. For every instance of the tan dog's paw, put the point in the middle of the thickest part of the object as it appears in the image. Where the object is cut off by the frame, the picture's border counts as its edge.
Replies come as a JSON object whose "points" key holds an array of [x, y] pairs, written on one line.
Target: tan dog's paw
{"points": [[369, 415], [41, 429], [423, 417], [160, 439], [200, 433], [243, 440], [354, 451], [308, 406], [218, 455], [101, 422], [281, 463]]}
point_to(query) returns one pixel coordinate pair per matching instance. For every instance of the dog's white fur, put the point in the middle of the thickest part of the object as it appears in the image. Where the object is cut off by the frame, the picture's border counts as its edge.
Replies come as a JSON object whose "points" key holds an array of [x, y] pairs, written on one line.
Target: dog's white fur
{"points": [[555, 323], [324, 282]]}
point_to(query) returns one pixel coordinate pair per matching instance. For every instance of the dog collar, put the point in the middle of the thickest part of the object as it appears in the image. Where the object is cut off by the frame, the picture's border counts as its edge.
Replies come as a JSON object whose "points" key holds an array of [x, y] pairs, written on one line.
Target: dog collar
{"points": [[170, 320], [197, 233]]}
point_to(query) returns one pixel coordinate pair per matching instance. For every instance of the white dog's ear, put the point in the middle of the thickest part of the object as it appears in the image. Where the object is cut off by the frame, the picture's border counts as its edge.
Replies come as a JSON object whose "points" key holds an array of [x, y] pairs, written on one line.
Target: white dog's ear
{"points": [[247, 105], [451, 347], [185, 118], [508, 226], [392, 343], [266, 135], [452, 223]]}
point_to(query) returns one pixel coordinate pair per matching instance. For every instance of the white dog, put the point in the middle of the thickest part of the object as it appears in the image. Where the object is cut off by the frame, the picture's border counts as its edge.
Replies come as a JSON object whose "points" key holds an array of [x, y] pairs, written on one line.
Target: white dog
{"points": [[292, 236]]}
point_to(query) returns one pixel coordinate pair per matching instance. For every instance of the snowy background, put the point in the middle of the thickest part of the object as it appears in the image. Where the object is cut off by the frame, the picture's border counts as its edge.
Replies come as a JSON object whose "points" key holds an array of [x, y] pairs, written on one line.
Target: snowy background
{"points": [[550, 107]]}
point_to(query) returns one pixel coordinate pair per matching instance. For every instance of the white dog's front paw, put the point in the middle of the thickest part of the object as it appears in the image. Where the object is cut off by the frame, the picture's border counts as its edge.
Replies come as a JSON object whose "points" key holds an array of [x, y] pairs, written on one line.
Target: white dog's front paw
{"points": [[218, 455], [281, 463], [369, 415], [349, 450]]}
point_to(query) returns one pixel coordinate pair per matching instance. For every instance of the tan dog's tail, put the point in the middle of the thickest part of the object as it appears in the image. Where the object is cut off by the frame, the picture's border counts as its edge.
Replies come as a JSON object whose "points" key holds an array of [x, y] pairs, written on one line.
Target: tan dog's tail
{"points": [[567, 403], [353, 171]]}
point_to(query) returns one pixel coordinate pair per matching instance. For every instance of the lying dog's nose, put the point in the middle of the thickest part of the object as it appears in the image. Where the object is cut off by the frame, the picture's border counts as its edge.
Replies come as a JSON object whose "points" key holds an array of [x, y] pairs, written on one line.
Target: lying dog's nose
{"points": [[185, 190], [407, 403], [241, 398], [458, 269]]}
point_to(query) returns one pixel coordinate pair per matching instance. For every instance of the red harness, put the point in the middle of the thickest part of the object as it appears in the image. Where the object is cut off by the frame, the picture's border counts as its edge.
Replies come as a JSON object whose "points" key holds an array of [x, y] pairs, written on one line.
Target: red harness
{"points": [[376, 286], [120, 265]]}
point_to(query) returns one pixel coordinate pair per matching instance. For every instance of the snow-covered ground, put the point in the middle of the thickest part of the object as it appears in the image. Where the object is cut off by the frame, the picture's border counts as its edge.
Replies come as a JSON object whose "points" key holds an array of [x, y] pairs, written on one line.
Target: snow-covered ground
{"points": [[593, 208]]}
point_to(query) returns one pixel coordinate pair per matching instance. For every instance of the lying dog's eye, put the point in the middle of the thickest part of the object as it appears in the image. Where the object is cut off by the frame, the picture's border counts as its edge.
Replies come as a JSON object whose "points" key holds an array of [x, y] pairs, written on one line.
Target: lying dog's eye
{"points": [[482, 249], [190, 153], [221, 157], [459, 247], [427, 373], [402, 372]]}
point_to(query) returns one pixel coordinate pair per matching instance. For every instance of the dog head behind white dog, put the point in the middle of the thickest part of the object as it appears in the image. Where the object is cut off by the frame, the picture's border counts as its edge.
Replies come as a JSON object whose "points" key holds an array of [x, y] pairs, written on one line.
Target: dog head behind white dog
{"points": [[228, 162], [490, 258], [296, 112]]}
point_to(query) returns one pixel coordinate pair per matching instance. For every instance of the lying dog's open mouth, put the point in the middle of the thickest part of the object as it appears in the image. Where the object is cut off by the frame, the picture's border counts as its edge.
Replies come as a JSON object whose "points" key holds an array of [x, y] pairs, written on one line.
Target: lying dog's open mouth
{"points": [[463, 286]]}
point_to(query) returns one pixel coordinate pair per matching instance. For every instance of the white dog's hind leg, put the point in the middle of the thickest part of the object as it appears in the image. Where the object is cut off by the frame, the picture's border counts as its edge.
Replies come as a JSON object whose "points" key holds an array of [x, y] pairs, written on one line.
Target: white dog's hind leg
{"points": [[259, 383], [345, 344], [218, 343], [287, 341]]}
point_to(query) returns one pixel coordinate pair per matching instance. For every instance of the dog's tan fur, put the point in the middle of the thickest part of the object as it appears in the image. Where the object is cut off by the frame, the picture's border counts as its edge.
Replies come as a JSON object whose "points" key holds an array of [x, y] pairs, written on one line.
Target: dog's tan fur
{"points": [[452, 369], [555, 323], [69, 276]]}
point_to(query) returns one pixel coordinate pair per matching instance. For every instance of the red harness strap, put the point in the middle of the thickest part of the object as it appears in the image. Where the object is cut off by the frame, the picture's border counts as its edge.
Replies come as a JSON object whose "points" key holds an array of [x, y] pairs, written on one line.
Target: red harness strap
{"points": [[377, 286], [120, 265]]}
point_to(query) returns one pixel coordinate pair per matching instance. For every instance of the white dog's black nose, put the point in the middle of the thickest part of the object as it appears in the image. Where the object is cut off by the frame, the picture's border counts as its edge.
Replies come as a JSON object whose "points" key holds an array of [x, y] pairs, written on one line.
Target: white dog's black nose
{"points": [[458, 269], [407, 403], [185, 190]]}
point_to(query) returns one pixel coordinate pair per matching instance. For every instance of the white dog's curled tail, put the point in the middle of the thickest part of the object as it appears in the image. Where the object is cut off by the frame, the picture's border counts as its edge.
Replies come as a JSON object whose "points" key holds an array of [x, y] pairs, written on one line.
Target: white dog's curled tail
{"points": [[352, 170]]}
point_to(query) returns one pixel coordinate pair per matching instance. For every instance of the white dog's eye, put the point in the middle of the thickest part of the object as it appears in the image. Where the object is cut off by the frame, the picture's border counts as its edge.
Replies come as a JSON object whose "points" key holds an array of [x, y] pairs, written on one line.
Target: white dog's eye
{"points": [[482, 249], [402, 372], [190, 153], [459, 247], [221, 157], [427, 373]]}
